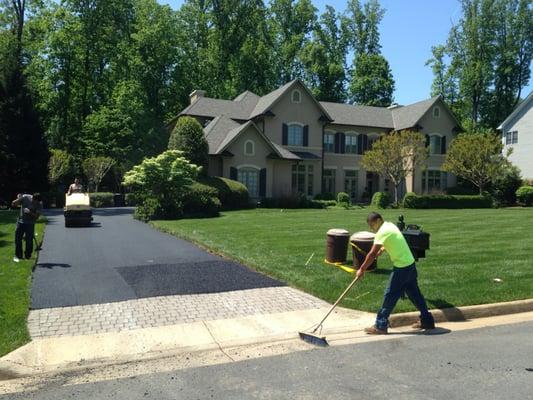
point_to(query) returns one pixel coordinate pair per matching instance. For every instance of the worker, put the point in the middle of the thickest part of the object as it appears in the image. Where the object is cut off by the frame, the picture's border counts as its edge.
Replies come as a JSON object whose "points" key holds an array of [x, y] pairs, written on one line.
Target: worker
{"points": [[403, 278], [30, 209], [76, 187]]}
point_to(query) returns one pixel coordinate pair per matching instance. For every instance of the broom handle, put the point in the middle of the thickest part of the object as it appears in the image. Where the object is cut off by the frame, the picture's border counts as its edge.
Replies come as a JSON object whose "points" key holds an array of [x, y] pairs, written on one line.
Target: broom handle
{"points": [[338, 300]]}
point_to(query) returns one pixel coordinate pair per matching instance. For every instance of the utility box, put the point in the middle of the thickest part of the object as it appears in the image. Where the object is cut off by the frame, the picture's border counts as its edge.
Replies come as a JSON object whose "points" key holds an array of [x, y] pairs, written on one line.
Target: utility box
{"points": [[418, 241]]}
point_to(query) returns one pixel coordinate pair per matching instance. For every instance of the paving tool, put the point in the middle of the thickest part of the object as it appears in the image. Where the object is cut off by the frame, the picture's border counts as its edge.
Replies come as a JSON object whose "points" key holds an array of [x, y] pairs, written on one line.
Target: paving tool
{"points": [[314, 338]]}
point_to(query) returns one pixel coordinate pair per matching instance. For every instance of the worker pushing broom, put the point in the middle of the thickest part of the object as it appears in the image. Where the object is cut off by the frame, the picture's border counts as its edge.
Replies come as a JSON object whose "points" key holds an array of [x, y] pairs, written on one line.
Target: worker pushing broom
{"points": [[403, 279]]}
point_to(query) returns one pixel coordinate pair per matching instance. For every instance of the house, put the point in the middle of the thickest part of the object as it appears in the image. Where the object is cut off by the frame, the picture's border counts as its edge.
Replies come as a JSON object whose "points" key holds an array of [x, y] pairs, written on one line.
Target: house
{"points": [[287, 142], [517, 132]]}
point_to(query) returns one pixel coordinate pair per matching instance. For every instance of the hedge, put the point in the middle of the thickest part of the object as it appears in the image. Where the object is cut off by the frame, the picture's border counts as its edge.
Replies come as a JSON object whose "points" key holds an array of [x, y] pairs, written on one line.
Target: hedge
{"points": [[524, 195], [233, 195], [101, 199], [295, 202], [201, 201], [412, 200], [381, 200]]}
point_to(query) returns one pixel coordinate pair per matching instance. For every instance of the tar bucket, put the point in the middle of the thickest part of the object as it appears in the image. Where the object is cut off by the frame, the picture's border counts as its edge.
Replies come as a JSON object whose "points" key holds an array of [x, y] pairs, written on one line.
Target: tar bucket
{"points": [[361, 243], [337, 245]]}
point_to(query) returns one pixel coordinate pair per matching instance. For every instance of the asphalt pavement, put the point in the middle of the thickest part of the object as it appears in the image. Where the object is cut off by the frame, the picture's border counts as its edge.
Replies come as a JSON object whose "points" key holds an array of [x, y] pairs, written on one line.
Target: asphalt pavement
{"points": [[488, 363], [118, 258]]}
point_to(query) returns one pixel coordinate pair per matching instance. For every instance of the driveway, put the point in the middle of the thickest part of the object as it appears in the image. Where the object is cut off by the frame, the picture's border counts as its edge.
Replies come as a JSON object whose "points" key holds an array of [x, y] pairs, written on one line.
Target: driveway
{"points": [[119, 258]]}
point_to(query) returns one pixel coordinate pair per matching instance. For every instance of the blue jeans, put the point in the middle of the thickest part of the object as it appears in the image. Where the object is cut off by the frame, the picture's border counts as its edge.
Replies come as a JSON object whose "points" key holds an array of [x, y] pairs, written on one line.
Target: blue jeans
{"points": [[402, 280], [25, 231]]}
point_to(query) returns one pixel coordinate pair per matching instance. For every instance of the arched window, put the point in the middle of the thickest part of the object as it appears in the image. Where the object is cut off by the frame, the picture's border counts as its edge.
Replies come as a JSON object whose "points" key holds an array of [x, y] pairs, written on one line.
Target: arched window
{"points": [[249, 177], [436, 143], [295, 134], [249, 148], [436, 112], [296, 96]]}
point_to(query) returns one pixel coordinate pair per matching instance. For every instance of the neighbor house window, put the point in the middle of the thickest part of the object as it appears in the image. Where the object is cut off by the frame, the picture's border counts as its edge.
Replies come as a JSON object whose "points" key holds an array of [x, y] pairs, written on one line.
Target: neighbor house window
{"points": [[434, 181], [296, 96], [329, 143], [515, 137], [295, 135], [249, 177], [350, 183], [329, 180], [436, 112], [350, 144], [511, 137], [302, 179], [249, 148]]}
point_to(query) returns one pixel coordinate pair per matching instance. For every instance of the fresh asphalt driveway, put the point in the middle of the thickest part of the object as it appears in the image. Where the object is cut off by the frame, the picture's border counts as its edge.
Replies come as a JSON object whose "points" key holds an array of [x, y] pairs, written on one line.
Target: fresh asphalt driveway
{"points": [[119, 258]]}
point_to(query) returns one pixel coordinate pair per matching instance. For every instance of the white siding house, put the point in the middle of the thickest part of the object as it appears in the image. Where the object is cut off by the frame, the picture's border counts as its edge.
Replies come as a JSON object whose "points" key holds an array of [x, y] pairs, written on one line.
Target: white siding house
{"points": [[517, 132]]}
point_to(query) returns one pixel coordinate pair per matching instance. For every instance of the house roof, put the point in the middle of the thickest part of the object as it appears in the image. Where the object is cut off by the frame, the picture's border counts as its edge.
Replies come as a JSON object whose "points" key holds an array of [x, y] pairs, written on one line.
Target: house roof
{"points": [[408, 116], [217, 130], [347, 114], [517, 110]]}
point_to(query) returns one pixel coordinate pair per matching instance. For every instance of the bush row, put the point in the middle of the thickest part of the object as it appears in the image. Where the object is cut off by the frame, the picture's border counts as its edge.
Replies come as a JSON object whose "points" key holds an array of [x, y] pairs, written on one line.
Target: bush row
{"points": [[412, 200], [524, 195], [290, 202]]}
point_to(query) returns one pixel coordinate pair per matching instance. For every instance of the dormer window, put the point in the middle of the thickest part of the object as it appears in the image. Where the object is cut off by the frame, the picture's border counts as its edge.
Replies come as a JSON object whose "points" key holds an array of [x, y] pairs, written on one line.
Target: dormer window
{"points": [[436, 112], [296, 96], [249, 148]]}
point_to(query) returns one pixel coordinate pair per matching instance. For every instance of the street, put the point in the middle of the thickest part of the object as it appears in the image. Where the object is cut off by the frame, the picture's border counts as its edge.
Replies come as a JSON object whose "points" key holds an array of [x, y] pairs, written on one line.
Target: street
{"points": [[488, 363]]}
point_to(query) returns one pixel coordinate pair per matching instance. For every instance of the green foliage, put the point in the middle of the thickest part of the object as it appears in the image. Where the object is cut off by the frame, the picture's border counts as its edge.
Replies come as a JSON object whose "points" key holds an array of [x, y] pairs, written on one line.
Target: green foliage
{"points": [[131, 200], [53, 199], [372, 83], [325, 196], [59, 165], [476, 157], [505, 186], [293, 202], [101, 199], [233, 195], [149, 209], [188, 137], [201, 201], [343, 199], [95, 168], [165, 179], [395, 156], [524, 195], [381, 200], [412, 200]]}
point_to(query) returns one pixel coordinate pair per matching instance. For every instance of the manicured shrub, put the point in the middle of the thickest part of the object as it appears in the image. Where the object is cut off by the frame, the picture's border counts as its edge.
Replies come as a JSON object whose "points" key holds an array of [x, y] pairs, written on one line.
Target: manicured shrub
{"points": [[524, 195], [343, 199], [233, 195], [504, 187], [201, 201], [131, 200], [411, 200], [325, 196], [101, 199], [188, 136], [149, 209], [381, 200]]}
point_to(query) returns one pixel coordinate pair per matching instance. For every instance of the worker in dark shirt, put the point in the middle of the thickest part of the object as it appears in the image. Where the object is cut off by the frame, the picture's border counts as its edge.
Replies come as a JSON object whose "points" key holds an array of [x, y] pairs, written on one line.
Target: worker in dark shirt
{"points": [[30, 209]]}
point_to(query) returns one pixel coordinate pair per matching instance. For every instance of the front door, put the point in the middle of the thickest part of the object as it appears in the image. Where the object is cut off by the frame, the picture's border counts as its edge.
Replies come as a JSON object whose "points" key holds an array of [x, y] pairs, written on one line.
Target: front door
{"points": [[372, 184]]}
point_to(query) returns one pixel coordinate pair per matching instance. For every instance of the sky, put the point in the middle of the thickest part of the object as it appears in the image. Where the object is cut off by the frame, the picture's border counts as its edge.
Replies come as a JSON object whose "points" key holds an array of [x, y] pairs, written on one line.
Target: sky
{"points": [[408, 30]]}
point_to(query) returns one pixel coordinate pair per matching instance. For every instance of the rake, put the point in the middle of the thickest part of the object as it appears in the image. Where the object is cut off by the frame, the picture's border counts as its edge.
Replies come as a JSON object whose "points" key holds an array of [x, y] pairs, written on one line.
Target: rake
{"points": [[314, 338]]}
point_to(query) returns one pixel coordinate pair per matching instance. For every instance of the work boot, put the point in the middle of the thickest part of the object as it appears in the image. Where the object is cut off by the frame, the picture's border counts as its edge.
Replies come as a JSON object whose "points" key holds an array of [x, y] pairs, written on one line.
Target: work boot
{"points": [[423, 325], [374, 330]]}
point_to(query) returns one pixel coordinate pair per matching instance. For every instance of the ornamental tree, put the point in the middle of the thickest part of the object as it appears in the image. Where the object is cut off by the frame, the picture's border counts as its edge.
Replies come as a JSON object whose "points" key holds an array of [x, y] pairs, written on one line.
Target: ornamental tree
{"points": [[396, 156], [95, 168], [59, 165]]}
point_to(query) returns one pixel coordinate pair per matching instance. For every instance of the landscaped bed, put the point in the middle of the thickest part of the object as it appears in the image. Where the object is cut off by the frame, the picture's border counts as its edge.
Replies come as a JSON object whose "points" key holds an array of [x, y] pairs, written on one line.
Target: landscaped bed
{"points": [[15, 282], [469, 249]]}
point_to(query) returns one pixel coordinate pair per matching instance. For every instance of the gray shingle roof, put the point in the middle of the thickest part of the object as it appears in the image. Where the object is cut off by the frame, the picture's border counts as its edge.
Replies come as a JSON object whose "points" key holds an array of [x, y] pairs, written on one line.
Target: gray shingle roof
{"points": [[217, 130], [267, 100], [208, 107], [347, 114], [408, 116]]}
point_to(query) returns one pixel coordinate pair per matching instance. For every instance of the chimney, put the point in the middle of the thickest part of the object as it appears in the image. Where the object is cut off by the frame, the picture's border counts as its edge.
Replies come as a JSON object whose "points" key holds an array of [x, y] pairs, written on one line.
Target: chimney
{"points": [[195, 95], [394, 105]]}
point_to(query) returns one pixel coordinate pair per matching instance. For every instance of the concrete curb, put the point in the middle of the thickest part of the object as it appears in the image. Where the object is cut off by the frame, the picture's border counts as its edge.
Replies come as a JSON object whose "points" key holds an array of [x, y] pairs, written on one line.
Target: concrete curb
{"points": [[465, 313]]}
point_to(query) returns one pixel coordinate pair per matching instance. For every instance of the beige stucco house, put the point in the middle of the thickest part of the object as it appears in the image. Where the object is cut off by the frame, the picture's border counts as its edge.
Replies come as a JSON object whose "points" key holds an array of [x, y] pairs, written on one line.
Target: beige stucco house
{"points": [[517, 132], [287, 142]]}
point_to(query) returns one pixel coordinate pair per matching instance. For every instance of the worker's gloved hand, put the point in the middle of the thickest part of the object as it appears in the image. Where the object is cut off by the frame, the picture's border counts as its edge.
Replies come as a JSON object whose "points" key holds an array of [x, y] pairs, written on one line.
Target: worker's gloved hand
{"points": [[26, 210]]}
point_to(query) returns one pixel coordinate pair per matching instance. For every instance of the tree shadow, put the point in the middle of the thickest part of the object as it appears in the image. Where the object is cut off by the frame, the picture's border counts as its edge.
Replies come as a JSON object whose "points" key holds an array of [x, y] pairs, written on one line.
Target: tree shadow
{"points": [[51, 265], [380, 271], [113, 211], [450, 311], [428, 332]]}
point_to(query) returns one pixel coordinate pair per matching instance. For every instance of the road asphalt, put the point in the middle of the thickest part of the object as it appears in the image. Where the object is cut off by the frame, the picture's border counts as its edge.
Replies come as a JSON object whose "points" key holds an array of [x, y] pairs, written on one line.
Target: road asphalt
{"points": [[488, 363], [118, 258]]}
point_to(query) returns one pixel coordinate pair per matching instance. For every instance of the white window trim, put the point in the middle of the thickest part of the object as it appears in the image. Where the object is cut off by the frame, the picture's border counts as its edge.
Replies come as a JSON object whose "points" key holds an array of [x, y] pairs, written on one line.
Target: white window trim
{"points": [[253, 148], [333, 167], [248, 166], [292, 96], [295, 123], [350, 169]]}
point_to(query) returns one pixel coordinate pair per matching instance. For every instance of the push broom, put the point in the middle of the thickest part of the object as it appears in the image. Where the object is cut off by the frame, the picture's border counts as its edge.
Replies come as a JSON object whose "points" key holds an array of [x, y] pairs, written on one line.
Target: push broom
{"points": [[314, 338]]}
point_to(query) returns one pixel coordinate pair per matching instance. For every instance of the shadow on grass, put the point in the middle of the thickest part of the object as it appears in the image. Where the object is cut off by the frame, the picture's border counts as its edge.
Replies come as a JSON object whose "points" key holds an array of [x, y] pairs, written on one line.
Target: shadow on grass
{"points": [[381, 271], [450, 311]]}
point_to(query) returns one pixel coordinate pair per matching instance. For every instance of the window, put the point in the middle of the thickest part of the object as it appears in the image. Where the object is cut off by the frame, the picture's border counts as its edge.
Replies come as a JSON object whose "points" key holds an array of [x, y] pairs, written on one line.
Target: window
{"points": [[435, 144], [350, 183], [350, 144], [249, 148], [296, 96], [371, 140], [295, 135], [302, 179], [511, 137], [329, 181], [329, 143], [436, 112], [249, 177], [434, 181]]}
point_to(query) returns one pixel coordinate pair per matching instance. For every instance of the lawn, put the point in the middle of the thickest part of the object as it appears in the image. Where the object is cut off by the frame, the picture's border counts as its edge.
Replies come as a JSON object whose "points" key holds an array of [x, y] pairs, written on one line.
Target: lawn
{"points": [[469, 248], [15, 282]]}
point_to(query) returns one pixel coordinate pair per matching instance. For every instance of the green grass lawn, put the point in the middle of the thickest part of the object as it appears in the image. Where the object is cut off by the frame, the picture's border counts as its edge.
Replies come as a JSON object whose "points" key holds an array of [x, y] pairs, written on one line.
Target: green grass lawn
{"points": [[15, 281], [469, 248]]}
